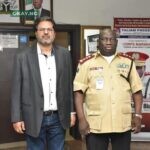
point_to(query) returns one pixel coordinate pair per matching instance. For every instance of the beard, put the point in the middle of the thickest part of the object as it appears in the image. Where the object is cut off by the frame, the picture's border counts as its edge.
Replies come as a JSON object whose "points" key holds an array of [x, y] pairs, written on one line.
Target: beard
{"points": [[45, 40]]}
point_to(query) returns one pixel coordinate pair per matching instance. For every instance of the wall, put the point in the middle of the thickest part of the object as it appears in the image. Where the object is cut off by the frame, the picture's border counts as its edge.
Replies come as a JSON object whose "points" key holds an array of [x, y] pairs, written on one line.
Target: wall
{"points": [[98, 12]]}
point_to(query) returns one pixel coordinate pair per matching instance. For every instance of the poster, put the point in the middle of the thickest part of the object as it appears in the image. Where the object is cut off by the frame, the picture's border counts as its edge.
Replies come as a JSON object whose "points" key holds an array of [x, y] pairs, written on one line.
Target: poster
{"points": [[6, 7], [8, 41], [134, 39]]}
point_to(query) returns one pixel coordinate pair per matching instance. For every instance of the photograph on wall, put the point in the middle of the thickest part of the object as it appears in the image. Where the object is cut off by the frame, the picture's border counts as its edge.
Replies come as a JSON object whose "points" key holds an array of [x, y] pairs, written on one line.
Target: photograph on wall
{"points": [[89, 39], [92, 42], [88, 33], [134, 40], [6, 9], [36, 9]]}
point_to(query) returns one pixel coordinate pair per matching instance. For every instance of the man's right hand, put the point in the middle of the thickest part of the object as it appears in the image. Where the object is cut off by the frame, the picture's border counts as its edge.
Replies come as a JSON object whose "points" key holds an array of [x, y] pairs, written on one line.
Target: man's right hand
{"points": [[19, 127]]}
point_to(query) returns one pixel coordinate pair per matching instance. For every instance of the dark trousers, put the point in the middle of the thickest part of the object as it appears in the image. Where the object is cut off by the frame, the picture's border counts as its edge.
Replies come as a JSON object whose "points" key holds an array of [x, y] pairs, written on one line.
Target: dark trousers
{"points": [[119, 141]]}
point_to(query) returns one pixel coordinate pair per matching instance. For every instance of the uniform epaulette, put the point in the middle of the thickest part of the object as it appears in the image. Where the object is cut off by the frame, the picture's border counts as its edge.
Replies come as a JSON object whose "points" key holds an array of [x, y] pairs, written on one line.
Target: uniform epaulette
{"points": [[85, 59], [147, 74], [125, 55]]}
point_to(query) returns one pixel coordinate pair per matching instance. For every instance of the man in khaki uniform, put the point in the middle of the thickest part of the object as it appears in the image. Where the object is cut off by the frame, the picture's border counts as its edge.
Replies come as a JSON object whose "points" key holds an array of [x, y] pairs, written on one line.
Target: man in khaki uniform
{"points": [[105, 81]]}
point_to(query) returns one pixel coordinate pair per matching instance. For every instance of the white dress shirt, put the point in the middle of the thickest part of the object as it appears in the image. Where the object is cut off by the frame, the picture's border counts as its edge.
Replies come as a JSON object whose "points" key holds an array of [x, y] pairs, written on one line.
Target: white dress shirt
{"points": [[48, 76]]}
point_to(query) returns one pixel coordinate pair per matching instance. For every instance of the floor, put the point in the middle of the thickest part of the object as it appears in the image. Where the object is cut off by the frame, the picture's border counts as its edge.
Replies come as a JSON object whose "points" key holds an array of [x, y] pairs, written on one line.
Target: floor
{"points": [[78, 145]]}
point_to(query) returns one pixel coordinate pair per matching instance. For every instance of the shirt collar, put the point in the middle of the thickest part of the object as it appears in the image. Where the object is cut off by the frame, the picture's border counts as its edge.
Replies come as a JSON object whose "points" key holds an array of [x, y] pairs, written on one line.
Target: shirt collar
{"points": [[40, 52], [38, 49]]}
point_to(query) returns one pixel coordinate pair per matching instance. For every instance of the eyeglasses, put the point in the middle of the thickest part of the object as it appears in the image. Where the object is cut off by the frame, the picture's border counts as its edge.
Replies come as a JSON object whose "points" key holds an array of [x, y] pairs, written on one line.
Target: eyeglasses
{"points": [[108, 39], [45, 29]]}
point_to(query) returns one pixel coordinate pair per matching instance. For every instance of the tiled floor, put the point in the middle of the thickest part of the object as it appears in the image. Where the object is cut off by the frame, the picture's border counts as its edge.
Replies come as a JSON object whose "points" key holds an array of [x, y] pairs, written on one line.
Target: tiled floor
{"points": [[78, 145]]}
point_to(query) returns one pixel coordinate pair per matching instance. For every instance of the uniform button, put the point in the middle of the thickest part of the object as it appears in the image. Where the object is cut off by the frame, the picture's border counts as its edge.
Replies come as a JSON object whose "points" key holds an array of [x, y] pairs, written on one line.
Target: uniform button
{"points": [[41, 108], [41, 95]]}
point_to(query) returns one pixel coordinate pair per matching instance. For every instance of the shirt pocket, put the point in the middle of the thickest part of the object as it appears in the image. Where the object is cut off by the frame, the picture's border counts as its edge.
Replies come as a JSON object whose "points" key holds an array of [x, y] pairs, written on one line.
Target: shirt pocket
{"points": [[95, 122], [93, 78], [126, 115]]}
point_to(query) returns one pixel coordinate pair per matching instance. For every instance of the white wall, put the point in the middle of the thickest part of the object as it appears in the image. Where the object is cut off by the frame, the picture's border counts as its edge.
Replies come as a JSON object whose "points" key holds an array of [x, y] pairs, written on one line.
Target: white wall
{"points": [[98, 12]]}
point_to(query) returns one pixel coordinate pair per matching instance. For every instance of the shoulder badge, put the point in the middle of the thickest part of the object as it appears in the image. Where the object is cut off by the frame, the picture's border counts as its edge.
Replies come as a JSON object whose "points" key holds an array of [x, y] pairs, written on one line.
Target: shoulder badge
{"points": [[125, 55], [85, 59]]}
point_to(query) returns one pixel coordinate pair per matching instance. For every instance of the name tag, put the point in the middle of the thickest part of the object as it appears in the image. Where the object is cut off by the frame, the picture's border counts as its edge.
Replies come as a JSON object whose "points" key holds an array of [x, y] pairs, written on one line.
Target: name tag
{"points": [[99, 84]]}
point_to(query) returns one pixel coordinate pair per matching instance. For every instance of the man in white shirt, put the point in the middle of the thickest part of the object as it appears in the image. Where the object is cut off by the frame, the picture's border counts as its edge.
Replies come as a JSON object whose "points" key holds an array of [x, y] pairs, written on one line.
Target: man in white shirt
{"points": [[41, 100]]}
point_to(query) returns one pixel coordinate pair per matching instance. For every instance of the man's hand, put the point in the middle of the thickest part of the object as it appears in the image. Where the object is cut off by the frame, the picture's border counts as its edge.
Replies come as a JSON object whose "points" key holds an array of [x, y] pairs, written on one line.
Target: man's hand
{"points": [[138, 99], [136, 124], [84, 127], [72, 120], [19, 127]]}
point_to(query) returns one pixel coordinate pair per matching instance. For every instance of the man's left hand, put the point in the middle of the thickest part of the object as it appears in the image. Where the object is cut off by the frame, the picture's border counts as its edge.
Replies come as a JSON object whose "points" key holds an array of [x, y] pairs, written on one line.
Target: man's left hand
{"points": [[136, 124]]}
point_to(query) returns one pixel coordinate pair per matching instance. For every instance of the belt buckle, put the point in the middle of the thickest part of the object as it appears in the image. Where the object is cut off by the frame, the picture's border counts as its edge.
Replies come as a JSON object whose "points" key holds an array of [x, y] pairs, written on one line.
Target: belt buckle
{"points": [[48, 113]]}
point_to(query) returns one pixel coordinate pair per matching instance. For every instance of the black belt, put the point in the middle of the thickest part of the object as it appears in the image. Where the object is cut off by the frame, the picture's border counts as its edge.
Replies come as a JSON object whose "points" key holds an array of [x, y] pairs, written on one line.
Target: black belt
{"points": [[50, 112]]}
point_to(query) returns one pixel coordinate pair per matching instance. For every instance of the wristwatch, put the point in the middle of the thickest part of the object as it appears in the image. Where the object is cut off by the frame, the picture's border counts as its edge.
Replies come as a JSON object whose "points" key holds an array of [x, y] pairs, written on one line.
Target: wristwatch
{"points": [[138, 115]]}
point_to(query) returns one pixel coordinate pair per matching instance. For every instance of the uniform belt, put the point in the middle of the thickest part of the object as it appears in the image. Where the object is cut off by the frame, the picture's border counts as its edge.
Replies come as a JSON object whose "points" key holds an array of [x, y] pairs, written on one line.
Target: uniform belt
{"points": [[50, 112]]}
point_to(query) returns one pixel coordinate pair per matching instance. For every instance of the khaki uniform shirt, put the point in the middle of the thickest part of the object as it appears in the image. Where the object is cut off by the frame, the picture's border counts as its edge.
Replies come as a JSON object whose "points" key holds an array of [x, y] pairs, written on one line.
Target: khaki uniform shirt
{"points": [[107, 92]]}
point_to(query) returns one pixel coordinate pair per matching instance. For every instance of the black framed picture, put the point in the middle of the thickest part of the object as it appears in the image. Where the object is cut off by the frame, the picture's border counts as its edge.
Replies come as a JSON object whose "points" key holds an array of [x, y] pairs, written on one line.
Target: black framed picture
{"points": [[92, 42], [8, 9], [37, 8], [89, 39]]}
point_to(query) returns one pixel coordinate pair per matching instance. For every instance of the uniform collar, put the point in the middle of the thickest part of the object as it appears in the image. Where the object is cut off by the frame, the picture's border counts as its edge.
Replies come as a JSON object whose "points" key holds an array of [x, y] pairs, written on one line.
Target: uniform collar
{"points": [[98, 53]]}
